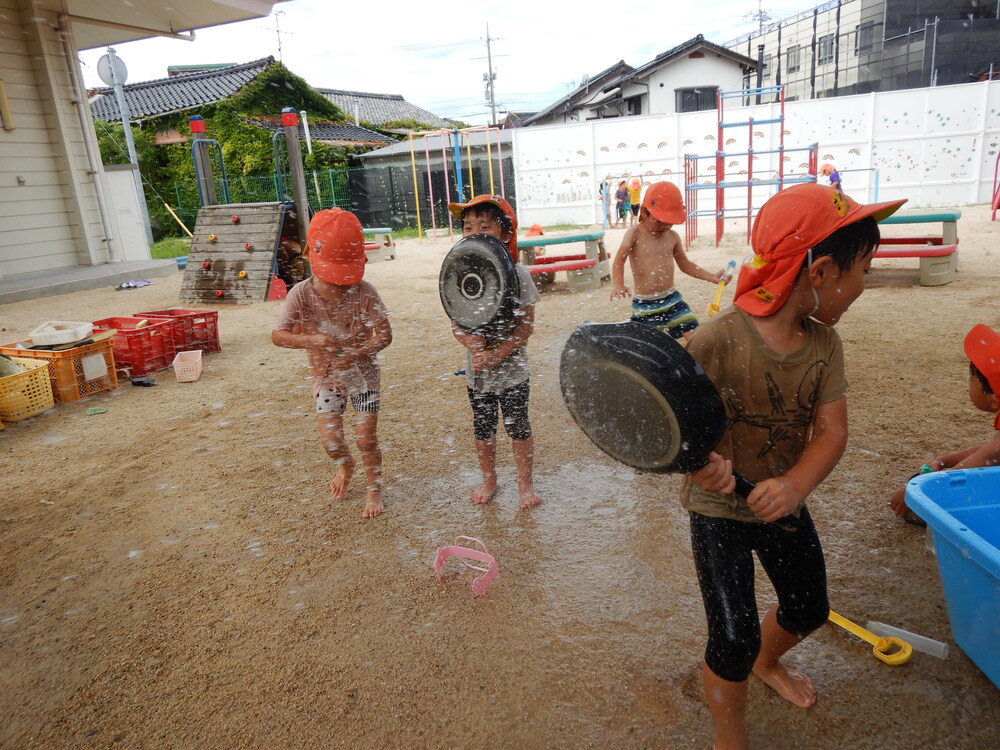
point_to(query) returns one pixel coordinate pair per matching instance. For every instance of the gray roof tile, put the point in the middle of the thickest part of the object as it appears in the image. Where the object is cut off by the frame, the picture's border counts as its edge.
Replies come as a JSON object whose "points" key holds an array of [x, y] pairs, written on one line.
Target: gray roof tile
{"points": [[328, 131], [379, 109], [178, 93]]}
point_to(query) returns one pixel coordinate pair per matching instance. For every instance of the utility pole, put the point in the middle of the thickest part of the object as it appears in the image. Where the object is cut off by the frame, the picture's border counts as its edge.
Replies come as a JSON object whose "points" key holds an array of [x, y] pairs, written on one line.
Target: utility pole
{"points": [[490, 78]]}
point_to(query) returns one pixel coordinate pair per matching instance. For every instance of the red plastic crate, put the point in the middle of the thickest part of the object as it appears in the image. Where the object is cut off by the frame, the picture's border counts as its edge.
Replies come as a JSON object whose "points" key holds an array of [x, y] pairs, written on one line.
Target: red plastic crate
{"points": [[140, 350], [193, 329]]}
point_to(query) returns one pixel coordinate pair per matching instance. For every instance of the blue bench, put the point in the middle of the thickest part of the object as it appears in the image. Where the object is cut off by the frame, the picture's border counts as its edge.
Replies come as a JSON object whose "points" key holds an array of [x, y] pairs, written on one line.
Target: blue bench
{"points": [[584, 271], [938, 253]]}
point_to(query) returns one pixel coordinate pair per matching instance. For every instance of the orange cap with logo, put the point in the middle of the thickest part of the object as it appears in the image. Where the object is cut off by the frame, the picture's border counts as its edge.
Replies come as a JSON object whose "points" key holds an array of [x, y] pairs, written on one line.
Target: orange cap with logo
{"points": [[336, 247], [663, 199], [982, 347], [787, 226], [458, 208]]}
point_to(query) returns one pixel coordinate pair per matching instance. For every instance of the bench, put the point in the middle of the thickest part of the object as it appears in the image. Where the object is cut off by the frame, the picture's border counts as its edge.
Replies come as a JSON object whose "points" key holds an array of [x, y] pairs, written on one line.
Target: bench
{"points": [[938, 254], [380, 246], [584, 271]]}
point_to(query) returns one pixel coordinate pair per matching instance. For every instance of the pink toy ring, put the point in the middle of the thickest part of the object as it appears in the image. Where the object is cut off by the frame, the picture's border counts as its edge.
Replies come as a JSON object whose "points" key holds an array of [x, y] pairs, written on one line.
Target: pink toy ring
{"points": [[490, 573]]}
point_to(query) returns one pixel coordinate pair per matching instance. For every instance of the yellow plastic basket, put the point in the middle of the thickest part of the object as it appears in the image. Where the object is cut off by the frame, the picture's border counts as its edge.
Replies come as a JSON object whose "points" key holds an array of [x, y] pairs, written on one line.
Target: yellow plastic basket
{"points": [[27, 393]]}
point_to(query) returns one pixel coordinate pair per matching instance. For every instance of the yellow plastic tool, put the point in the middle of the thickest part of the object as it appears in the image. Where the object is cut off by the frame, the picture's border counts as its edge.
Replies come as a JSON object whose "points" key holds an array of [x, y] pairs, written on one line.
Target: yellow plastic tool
{"points": [[727, 276], [894, 651]]}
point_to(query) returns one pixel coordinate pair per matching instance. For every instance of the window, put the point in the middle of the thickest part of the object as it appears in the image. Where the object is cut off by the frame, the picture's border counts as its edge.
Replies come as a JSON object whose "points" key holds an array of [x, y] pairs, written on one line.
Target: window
{"points": [[792, 59], [826, 49], [695, 100], [866, 37], [633, 106]]}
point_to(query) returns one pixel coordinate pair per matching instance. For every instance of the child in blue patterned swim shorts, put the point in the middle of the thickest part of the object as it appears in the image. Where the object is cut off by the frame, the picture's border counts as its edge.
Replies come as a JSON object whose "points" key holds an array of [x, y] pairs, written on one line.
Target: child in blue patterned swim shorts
{"points": [[652, 248]]}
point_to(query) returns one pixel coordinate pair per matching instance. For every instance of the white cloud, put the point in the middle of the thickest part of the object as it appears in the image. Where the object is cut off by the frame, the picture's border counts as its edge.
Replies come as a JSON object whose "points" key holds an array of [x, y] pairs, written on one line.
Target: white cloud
{"points": [[434, 55]]}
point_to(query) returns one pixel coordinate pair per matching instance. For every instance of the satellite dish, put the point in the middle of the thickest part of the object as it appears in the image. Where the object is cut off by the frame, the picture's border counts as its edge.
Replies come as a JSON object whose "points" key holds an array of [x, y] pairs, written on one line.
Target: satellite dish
{"points": [[104, 70]]}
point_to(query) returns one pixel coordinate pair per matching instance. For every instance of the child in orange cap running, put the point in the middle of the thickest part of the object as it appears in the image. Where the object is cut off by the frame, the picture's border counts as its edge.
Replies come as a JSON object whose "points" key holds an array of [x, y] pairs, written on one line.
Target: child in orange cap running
{"points": [[779, 366], [340, 321], [982, 347], [652, 248], [497, 376]]}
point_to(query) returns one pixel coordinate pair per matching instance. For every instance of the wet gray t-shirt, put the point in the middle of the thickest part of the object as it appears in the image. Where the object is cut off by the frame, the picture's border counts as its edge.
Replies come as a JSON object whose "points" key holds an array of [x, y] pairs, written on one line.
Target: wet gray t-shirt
{"points": [[514, 369]]}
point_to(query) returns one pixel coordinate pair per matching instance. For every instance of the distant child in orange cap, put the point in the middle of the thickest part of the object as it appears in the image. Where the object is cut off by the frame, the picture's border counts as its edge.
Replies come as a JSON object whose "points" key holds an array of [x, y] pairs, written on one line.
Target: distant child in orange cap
{"points": [[779, 365], [982, 347], [340, 321], [652, 248], [497, 376]]}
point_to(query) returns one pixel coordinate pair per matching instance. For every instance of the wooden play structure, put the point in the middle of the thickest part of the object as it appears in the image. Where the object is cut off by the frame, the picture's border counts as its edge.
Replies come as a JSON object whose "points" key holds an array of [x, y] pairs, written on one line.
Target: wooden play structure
{"points": [[236, 255], [247, 252]]}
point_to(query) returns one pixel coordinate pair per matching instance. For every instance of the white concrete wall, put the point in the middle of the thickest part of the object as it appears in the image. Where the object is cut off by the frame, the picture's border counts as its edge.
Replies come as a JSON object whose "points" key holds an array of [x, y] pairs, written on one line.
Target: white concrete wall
{"points": [[935, 146], [48, 206]]}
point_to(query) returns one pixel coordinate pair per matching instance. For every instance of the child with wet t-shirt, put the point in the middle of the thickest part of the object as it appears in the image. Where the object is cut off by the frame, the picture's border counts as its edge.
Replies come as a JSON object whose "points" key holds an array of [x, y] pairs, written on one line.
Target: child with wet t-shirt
{"points": [[497, 373], [340, 321], [779, 367]]}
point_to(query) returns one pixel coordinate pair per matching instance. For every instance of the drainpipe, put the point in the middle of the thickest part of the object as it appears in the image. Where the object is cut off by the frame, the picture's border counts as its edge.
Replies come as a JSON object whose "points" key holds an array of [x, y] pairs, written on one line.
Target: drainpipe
{"points": [[87, 128]]}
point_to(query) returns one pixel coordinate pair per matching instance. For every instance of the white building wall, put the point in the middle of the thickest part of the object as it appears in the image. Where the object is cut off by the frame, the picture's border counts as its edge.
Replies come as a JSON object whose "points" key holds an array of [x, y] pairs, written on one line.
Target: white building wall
{"points": [[934, 146], [48, 204], [712, 70]]}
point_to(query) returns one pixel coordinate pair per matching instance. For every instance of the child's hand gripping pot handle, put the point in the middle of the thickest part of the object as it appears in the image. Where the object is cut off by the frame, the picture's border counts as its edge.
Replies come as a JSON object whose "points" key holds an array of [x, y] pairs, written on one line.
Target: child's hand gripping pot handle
{"points": [[727, 276]]}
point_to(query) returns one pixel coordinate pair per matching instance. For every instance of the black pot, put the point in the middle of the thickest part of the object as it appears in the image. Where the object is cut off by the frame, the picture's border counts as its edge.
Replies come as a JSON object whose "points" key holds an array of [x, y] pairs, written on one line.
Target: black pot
{"points": [[643, 400], [640, 397], [478, 285]]}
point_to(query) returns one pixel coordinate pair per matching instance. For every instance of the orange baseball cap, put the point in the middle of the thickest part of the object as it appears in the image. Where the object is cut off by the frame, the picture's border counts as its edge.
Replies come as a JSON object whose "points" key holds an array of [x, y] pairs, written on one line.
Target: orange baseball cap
{"points": [[336, 247], [982, 347], [787, 226], [663, 199], [458, 208], [534, 231]]}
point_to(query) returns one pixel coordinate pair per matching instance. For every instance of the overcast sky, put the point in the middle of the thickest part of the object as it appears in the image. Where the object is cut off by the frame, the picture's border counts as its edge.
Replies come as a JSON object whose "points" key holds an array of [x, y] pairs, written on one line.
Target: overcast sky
{"points": [[434, 54]]}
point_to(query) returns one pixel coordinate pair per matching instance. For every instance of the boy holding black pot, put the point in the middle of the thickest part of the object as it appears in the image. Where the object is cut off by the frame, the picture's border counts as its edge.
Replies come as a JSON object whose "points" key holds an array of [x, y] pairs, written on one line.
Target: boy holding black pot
{"points": [[497, 373], [779, 366]]}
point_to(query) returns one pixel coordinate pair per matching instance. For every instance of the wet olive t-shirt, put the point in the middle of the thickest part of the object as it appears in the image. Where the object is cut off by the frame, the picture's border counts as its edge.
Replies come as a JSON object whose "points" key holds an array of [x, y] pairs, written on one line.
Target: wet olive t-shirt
{"points": [[770, 400]]}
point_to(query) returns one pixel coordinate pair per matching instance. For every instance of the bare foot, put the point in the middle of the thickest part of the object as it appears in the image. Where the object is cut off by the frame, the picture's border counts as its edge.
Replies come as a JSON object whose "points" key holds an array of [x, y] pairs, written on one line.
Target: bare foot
{"points": [[529, 499], [373, 504], [794, 687], [340, 483], [484, 492]]}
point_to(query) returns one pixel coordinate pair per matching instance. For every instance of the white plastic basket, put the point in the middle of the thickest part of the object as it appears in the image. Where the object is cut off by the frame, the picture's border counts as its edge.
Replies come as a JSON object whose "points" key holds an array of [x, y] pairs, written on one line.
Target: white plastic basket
{"points": [[187, 366], [60, 332]]}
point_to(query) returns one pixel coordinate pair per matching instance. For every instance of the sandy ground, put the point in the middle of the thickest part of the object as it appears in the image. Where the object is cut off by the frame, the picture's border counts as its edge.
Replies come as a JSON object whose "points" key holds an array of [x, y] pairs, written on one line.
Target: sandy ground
{"points": [[175, 574]]}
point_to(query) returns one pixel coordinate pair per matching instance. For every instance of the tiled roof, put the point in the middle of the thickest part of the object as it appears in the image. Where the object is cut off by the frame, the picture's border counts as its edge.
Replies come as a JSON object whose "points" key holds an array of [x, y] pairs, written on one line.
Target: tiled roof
{"points": [[591, 84], [178, 93], [329, 132], [379, 109], [516, 119], [682, 49], [500, 143]]}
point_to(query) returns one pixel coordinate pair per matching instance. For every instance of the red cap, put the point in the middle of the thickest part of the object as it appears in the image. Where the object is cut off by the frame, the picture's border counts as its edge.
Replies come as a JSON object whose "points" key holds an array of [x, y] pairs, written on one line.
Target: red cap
{"points": [[336, 247], [289, 117], [534, 231], [457, 209], [787, 226], [982, 347], [663, 199]]}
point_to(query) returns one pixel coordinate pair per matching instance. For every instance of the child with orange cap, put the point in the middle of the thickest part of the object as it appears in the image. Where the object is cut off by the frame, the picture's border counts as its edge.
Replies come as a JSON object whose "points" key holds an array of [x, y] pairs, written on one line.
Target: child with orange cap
{"points": [[498, 375], [779, 365], [830, 172], [340, 321], [652, 249], [982, 347]]}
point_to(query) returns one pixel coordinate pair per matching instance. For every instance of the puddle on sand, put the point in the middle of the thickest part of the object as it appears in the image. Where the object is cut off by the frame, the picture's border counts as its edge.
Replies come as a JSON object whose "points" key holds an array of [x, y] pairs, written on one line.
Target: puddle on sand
{"points": [[589, 550]]}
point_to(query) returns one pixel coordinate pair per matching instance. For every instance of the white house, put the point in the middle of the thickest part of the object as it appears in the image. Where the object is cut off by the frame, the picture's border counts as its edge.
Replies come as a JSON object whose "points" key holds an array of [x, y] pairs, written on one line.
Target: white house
{"points": [[56, 211], [682, 79]]}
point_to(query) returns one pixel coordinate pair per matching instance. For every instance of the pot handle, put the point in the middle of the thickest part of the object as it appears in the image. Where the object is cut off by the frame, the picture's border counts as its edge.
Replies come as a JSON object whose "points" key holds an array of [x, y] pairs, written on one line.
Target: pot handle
{"points": [[744, 487]]}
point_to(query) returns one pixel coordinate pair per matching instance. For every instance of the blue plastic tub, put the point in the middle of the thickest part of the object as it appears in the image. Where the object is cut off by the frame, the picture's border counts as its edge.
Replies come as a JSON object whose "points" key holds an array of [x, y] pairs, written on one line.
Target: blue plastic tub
{"points": [[962, 509], [181, 261]]}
